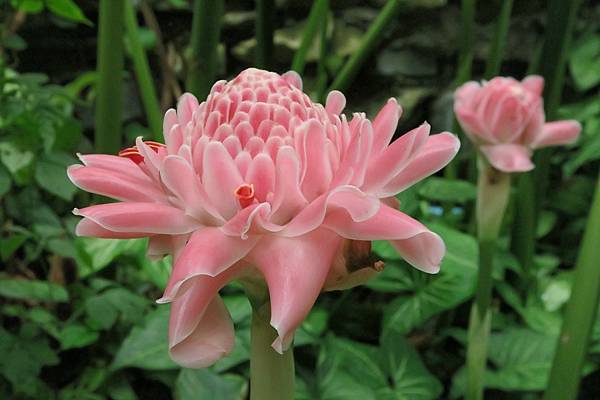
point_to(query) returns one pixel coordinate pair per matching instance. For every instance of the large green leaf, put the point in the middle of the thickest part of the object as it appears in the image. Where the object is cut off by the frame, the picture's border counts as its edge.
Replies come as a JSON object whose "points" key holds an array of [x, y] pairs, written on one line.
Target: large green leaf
{"points": [[423, 296], [95, 254], [193, 384], [24, 289], [147, 346], [51, 174]]}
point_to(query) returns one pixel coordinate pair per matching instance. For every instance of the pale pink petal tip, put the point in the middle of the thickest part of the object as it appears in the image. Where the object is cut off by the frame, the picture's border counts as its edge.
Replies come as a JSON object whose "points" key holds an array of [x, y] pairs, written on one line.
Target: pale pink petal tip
{"points": [[558, 133], [293, 78], [509, 157], [534, 83], [335, 103]]}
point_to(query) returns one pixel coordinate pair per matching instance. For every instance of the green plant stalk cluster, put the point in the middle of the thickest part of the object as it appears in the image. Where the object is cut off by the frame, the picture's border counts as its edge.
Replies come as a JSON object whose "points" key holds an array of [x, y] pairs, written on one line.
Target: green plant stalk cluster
{"points": [[559, 28], [202, 58], [492, 197], [580, 313], [494, 60], [318, 13], [109, 100], [346, 76], [271, 374], [265, 28], [142, 72]]}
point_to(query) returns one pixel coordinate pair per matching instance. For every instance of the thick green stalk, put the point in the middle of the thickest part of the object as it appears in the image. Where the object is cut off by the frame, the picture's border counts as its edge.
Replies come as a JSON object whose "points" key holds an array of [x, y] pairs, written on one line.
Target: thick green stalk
{"points": [[109, 89], [580, 313], [559, 27], [317, 13], [321, 85], [271, 373], [142, 72], [494, 60], [203, 61], [348, 72], [492, 197], [265, 28]]}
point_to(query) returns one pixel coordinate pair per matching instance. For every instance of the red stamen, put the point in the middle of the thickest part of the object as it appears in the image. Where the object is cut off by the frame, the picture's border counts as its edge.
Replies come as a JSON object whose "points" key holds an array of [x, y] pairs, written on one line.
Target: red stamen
{"points": [[134, 154], [245, 194]]}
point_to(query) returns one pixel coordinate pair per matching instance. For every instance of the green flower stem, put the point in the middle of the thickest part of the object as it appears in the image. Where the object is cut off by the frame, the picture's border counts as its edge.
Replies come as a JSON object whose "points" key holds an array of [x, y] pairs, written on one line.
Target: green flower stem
{"points": [[494, 60], [109, 99], [348, 72], [142, 72], [580, 313], [559, 27], [265, 27], [321, 86], [271, 373], [202, 57], [318, 12], [492, 198]]}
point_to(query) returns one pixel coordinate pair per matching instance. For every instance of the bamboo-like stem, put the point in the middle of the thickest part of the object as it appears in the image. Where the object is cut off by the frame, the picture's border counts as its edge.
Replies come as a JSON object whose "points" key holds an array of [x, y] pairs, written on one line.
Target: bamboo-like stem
{"points": [[142, 72], [494, 60], [463, 72], [271, 373], [265, 28], [321, 86], [580, 313], [109, 89], [559, 26], [203, 60], [492, 198], [318, 12], [348, 72]]}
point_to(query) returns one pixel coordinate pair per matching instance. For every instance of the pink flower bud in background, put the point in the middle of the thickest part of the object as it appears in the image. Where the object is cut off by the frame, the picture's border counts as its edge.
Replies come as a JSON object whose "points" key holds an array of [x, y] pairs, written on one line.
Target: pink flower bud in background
{"points": [[505, 119], [259, 182]]}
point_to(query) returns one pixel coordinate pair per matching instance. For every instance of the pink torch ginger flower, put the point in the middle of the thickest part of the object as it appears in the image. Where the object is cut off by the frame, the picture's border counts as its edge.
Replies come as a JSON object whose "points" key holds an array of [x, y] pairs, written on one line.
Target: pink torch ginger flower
{"points": [[505, 119], [260, 182]]}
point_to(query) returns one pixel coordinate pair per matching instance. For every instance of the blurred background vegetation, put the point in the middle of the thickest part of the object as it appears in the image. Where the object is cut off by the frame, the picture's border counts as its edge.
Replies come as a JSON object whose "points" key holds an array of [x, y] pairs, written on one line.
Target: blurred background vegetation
{"points": [[78, 317]]}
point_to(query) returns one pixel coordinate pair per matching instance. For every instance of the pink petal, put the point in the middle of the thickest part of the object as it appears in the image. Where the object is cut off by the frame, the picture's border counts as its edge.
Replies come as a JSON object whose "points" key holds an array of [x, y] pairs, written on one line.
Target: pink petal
{"points": [[208, 252], [437, 153], [244, 221], [534, 84], [510, 119], [295, 270], [199, 334], [508, 157], [469, 122], [557, 133], [317, 172], [335, 103], [87, 227], [179, 177], [149, 218], [116, 164], [357, 204], [261, 174], [288, 198], [186, 106], [391, 161], [384, 125], [115, 184], [418, 245], [220, 178], [293, 79]]}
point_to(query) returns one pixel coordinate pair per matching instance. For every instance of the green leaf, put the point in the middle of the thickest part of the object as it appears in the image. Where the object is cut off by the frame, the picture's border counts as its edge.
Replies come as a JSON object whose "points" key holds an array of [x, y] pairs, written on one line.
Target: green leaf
{"points": [[147, 346], [103, 310], [28, 6], [23, 289], [453, 190], [95, 254], [585, 62], [11, 244], [193, 384], [18, 162], [424, 296], [68, 9], [75, 336], [51, 175], [4, 181]]}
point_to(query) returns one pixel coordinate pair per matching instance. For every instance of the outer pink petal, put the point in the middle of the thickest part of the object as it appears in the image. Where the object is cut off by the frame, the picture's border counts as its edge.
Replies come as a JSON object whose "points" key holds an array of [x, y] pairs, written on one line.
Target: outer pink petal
{"points": [[418, 245], [288, 198], [179, 177], [220, 178], [261, 174], [120, 165], [114, 184], [359, 205], [316, 167], [149, 218], [508, 157], [208, 252], [199, 334], [436, 154], [391, 161], [534, 84], [557, 133], [335, 103], [384, 125], [295, 270], [87, 227]]}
